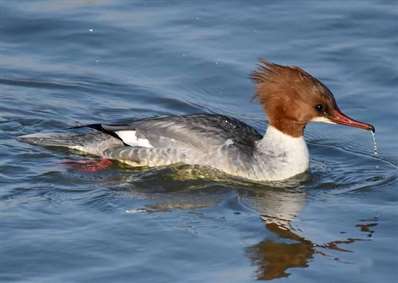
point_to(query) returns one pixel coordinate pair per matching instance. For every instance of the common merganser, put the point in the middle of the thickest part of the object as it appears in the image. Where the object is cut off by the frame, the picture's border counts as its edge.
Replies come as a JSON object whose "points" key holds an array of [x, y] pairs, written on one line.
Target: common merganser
{"points": [[291, 98]]}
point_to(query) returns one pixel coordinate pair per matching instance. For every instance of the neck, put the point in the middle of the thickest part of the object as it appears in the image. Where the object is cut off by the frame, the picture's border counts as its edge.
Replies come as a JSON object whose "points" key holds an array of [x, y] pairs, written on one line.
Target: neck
{"points": [[289, 153], [289, 127], [277, 136]]}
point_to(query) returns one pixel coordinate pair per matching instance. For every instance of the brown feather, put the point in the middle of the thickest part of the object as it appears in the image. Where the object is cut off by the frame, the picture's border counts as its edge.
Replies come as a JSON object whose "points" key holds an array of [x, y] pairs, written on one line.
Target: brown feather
{"points": [[288, 94]]}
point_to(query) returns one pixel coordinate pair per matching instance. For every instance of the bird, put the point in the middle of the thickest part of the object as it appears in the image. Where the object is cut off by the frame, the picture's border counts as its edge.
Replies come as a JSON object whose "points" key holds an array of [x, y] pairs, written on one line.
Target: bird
{"points": [[290, 97]]}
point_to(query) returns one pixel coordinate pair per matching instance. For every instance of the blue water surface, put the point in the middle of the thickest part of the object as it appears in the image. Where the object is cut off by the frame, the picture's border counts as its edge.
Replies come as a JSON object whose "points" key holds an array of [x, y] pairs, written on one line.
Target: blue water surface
{"points": [[64, 63]]}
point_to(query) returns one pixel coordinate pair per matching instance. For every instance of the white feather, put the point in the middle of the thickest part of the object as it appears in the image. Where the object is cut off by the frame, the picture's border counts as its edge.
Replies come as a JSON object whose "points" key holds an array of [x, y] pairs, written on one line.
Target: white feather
{"points": [[293, 149], [322, 120], [228, 142], [130, 138]]}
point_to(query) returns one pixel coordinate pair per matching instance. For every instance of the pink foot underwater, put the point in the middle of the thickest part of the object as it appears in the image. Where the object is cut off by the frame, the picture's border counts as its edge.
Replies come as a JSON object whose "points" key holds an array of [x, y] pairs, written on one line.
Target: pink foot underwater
{"points": [[88, 166]]}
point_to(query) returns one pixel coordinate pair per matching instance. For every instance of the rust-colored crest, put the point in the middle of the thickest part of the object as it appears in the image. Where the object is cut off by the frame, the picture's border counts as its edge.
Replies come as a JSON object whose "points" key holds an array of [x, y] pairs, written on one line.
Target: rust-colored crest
{"points": [[273, 79], [288, 95]]}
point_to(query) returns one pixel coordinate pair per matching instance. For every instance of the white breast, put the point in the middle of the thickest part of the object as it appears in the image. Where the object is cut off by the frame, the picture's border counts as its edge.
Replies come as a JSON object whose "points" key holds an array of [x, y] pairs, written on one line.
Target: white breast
{"points": [[130, 138], [288, 155]]}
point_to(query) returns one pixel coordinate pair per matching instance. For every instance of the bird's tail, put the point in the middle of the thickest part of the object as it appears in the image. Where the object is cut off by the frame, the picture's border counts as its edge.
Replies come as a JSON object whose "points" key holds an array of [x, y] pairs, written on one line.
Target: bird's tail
{"points": [[94, 142], [51, 139]]}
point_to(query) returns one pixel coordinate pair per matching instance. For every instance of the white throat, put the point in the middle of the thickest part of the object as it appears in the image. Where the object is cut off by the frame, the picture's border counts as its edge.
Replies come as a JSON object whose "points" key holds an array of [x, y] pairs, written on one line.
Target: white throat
{"points": [[288, 155]]}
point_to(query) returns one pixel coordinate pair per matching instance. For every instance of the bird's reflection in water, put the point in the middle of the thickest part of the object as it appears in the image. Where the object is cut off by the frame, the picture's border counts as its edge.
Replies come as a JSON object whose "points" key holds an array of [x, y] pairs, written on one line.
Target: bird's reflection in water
{"points": [[277, 206], [273, 258]]}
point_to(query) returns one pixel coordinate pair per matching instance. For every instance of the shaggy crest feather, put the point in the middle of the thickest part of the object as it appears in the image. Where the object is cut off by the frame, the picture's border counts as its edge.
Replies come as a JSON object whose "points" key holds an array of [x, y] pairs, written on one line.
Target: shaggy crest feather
{"points": [[274, 79]]}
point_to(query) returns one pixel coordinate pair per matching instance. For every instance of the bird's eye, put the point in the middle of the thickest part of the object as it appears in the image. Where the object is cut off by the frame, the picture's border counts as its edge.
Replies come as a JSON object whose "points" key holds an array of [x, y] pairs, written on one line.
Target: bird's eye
{"points": [[320, 108]]}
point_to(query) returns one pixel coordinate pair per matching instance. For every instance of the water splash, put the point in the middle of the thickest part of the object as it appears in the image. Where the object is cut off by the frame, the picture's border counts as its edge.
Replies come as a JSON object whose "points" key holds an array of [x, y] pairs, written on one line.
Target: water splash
{"points": [[375, 151]]}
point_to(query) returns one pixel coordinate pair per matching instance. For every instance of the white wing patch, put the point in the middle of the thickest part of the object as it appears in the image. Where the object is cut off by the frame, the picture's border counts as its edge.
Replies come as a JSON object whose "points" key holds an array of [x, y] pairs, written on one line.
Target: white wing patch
{"points": [[130, 138]]}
